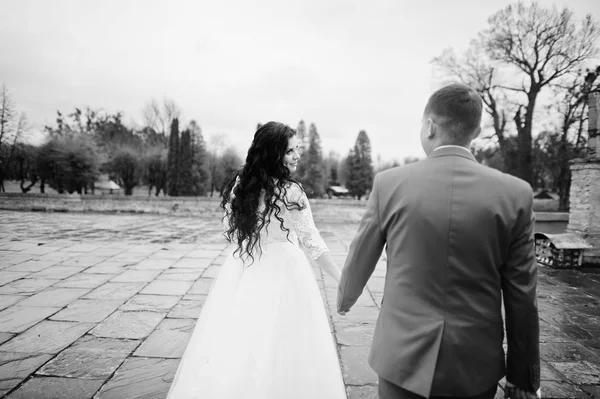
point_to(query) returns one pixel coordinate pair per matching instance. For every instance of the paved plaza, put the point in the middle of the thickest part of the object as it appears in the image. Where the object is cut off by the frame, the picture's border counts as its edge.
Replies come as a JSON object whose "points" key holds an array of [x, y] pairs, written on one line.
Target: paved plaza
{"points": [[102, 306]]}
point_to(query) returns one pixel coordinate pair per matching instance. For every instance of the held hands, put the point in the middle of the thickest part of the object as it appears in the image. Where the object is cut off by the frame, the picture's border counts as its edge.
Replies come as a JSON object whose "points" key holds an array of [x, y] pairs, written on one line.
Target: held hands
{"points": [[513, 392], [342, 312]]}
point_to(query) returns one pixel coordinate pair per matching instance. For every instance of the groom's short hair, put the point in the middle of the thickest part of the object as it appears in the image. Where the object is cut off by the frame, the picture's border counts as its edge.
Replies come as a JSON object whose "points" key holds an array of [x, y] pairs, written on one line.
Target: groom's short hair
{"points": [[457, 109]]}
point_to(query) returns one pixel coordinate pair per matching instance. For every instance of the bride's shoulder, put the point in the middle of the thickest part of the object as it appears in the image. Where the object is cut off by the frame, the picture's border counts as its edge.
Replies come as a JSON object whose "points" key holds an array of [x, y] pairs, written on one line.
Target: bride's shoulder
{"points": [[295, 195], [294, 189], [293, 186]]}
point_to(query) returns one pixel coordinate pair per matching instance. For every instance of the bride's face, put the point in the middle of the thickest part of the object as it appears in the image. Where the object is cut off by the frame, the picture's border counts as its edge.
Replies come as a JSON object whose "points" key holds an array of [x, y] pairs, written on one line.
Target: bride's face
{"points": [[291, 157]]}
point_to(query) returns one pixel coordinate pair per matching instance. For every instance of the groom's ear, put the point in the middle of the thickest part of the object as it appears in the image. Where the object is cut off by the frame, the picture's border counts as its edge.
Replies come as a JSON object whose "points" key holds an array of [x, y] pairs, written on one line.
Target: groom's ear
{"points": [[431, 128]]}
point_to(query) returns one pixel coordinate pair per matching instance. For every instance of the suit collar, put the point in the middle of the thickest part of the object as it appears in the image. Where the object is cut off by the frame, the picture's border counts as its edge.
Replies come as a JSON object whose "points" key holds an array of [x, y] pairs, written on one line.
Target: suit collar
{"points": [[452, 150]]}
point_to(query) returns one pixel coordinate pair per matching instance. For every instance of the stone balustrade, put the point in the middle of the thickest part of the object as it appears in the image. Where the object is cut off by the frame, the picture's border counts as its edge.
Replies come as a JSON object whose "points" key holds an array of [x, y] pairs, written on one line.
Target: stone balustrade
{"points": [[324, 210], [584, 218]]}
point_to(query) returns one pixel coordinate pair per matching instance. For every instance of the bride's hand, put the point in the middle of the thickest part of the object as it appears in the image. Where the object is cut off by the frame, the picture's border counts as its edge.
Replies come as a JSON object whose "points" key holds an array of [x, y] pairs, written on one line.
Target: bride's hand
{"points": [[343, 312]]}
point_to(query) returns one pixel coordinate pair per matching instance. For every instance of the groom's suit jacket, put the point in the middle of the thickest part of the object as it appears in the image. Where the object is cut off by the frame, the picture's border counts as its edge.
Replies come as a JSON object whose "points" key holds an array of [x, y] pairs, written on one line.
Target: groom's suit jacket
{"points": [[459, 242]]}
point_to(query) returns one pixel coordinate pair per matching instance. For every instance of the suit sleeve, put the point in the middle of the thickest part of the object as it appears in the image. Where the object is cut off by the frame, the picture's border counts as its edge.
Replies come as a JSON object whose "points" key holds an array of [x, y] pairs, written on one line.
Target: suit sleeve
{"points": [[364, 253], [519, 285]]}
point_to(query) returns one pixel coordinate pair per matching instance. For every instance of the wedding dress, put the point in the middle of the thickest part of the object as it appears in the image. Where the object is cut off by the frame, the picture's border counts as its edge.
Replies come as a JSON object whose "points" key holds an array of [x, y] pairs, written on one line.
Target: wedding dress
{"points": [[263, 332]]}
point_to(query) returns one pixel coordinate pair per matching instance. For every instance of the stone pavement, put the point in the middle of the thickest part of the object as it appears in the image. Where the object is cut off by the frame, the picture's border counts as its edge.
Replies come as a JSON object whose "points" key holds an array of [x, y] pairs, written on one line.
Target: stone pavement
{"points": [[102, 306]]}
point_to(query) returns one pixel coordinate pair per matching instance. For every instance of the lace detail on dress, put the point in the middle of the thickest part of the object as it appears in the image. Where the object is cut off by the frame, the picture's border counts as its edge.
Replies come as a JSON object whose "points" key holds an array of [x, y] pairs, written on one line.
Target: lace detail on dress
{"points": [[302, 229], [304, 225]]}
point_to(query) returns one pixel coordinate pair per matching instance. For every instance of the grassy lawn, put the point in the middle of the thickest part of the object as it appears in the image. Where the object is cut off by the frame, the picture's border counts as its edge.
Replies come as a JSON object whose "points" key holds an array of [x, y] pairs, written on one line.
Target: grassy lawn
{"points": [[13, 187]]}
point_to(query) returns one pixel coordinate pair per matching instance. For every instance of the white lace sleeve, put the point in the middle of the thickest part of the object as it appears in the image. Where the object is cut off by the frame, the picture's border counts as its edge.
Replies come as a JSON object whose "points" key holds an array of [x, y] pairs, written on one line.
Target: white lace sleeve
{"points": [[304, 225]]}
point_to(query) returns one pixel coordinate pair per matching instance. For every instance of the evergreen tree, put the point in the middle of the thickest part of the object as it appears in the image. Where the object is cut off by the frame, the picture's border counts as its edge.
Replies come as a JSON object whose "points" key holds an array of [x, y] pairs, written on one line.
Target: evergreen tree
{"points": [[333, 173], [332, 164], [300, 173], [173, 160], [301, 133], [363, 152], [185, 182], [352, 174], [315, 177], [200, 158], [359, 166]]}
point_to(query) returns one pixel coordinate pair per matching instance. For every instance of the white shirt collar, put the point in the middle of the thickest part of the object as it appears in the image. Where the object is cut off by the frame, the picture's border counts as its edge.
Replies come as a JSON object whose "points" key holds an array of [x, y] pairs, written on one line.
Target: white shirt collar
{"points": [[453, 146]]}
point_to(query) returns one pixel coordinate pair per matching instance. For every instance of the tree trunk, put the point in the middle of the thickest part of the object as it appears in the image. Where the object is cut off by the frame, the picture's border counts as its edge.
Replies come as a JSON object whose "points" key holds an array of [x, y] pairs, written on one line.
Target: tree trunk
{"points": [[525, 141], [25, 189], [564, 177], [564, 187], [579, 143], [43, 186], [2, 178], [525, 156]]}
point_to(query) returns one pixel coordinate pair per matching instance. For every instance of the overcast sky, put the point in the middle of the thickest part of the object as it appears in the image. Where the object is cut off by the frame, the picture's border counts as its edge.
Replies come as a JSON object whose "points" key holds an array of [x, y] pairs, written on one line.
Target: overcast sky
{"points": [[343, 65]]}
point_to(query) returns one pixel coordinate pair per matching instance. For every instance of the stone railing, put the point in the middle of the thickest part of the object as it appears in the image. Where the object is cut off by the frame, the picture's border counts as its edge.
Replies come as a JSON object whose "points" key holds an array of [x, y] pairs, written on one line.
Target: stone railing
{"points": [[343, 209], [180, 206], [585, 205], [324, 210]]}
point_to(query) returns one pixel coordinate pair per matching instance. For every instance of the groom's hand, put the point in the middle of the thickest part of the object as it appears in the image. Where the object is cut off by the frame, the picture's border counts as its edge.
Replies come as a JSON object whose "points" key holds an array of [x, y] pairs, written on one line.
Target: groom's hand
{"points": [[343, 312], [513, 392]]}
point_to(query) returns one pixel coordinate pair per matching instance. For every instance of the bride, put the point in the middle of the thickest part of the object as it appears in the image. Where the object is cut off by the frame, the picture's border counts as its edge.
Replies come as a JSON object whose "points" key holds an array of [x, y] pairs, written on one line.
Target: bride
{"points": [[263, 331]]}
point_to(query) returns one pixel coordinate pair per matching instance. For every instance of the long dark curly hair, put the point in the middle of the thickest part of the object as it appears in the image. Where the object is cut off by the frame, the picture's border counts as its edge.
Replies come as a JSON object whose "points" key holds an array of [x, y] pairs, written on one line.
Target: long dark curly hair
{"points": [[263, 174]]}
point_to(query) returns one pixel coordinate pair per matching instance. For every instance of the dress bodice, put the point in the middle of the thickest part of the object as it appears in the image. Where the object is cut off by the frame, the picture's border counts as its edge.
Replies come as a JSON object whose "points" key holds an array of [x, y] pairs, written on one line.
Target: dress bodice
{"points": [[299, 222]]}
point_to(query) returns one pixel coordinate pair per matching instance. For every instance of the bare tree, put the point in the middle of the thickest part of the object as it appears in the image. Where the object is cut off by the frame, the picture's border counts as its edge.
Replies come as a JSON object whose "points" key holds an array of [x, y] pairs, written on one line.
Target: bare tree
{"points": [[152, 116], [475, 69], [7, 114], [159, 116], [171, 110], [544, 45], [8, 134], [571, 106], [217, 145], [27, 155]]}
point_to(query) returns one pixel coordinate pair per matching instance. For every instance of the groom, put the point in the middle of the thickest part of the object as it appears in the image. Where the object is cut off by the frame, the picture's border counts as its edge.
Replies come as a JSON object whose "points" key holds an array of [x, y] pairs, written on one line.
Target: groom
{"points": [[459, 240]]}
